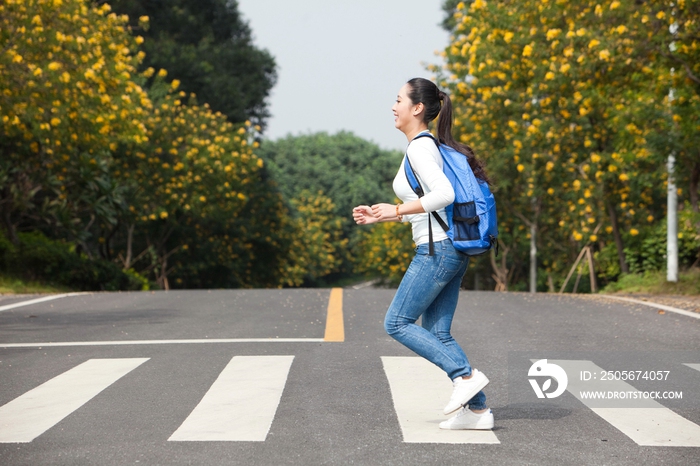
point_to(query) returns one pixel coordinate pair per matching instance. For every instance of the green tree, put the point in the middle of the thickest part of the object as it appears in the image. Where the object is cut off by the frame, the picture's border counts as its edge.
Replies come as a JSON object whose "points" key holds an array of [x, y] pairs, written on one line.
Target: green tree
{"points": [[208, 46], [550, 94], [70, 95], [194, 187], [344, 167]]}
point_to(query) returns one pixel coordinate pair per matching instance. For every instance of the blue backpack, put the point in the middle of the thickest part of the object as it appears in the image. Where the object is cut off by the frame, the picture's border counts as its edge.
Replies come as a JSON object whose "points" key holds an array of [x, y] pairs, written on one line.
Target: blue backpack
{"points": [[471, 218]]}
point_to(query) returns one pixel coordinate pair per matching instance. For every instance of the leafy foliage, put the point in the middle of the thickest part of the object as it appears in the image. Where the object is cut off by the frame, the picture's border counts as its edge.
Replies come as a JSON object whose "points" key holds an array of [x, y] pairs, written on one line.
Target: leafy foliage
{"points": [[208, 46], [39, 258], [549, 93], [69, 97], [385, 251], [144, 179], [343, 168], [346, 168]]}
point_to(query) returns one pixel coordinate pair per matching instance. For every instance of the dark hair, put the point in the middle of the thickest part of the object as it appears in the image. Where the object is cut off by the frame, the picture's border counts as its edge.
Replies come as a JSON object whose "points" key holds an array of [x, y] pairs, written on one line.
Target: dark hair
{"points": [[426, 92]]}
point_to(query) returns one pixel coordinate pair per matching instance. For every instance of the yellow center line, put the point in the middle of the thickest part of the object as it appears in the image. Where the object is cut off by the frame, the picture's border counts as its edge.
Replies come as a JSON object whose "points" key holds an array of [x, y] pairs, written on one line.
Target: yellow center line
{"points": [[335, 329]]}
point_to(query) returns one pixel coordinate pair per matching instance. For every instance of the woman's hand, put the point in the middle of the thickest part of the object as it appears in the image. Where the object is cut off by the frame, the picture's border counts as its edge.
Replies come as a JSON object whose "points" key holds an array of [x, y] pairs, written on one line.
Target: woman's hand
{"points": [[363, 215], [384, 212]]}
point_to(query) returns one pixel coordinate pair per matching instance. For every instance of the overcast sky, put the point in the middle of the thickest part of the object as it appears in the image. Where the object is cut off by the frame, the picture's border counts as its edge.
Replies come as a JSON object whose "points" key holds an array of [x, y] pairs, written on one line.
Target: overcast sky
{"points": [[342, 62]]}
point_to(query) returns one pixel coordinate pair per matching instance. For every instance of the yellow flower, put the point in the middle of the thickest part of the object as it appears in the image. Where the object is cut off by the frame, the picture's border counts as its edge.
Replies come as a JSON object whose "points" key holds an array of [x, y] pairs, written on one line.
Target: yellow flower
{"points": [[593, 43], [623, 177], [37, 72], [634, 232], [549, 76], [527, 51], [604, 54], [660, 15], [53, 66], [594, 237], [508, 36], [202, 198], [614, 5], [552, 33], [55, 121], [163, 215], [520, 167], [175, 84], [162, 73]]}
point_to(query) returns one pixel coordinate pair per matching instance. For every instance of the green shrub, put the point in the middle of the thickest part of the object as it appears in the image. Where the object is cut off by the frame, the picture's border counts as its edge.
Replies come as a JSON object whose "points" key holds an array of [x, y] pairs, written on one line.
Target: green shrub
{"points": [[39, 258], [646, 251]]}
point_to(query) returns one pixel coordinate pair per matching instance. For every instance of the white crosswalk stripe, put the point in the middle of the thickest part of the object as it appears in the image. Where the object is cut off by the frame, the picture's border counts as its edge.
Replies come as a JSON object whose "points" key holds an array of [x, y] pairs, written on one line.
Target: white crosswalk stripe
{"points": [[420, 390], [645, 421], [693, 366], [30, 415], [242, 402]]}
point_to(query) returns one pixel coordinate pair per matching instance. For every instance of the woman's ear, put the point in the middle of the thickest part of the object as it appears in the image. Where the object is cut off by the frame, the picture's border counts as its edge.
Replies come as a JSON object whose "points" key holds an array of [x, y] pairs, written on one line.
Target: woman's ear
{"points": [[418, 108]]}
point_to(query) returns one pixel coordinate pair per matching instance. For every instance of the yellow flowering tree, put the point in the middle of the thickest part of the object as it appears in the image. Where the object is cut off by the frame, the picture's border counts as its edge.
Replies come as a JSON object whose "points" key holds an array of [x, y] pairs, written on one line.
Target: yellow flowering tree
{"points": [[542, 88], [317, 246], [191, 184], [384, 251], [68, 97]]}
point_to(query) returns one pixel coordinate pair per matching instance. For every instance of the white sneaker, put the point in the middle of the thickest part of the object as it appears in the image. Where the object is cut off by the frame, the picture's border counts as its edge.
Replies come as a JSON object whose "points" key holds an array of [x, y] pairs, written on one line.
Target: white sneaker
{"points": [[464, 390], [468, 419]]}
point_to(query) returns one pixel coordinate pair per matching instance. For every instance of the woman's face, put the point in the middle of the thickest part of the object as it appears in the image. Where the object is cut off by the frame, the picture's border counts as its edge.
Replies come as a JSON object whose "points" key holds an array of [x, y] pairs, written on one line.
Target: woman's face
{"points": [[403, 109]]}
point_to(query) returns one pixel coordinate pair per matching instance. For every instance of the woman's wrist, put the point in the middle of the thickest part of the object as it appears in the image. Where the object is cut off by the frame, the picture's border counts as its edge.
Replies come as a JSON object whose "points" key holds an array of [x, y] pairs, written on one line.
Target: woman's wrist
{"points": [[398, 215]]}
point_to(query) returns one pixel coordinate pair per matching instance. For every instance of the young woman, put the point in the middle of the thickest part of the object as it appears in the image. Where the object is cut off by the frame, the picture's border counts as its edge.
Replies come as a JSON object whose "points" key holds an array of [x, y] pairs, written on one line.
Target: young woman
{"points": [[430, 287]]}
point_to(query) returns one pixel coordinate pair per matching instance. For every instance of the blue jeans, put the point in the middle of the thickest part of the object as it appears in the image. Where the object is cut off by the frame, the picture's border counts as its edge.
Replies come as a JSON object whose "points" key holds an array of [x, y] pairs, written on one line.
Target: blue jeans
{"points": [[430, 289]]}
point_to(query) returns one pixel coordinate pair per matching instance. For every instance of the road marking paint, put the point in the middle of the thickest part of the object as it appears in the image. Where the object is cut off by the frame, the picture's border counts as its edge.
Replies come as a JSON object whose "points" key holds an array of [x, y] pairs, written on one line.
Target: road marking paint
{"points": [[693, 366], [420, 390], [645, 421], [695, 315], [160, 342], [38, 300], [30, 415], [242, 402], [335, 329]]}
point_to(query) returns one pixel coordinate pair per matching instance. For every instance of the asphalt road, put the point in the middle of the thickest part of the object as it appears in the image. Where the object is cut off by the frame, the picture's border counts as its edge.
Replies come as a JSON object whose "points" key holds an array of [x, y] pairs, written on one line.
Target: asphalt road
{"points": [[181, 377]]}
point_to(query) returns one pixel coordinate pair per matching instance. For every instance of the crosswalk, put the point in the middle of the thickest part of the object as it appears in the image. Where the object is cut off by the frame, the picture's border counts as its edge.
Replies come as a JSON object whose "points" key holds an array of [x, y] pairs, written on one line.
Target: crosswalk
{"points": [[243, 401]]}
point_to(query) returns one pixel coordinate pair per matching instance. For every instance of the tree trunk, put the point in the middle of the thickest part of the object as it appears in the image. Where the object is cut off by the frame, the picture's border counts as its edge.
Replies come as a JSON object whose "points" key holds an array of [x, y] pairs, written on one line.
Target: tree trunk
{"points": [[624, 268], [9, 227], [129, 247], [694, 186], [500, 274], [5, 212]]}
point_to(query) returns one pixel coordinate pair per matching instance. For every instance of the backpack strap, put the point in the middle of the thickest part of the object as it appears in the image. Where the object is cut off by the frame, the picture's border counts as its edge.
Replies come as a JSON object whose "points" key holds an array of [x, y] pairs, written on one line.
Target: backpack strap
{"points": [[412, 178]]}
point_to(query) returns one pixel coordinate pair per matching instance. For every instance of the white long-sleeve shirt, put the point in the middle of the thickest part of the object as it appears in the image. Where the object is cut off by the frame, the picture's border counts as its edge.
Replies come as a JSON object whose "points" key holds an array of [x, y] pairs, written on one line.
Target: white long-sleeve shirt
{"points": [[427, 163]]}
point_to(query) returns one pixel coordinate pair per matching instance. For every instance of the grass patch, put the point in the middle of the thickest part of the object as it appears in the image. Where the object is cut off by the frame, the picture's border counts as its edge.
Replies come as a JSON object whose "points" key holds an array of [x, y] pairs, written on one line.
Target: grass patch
{"points": [[655, 283], [13, 285]]}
